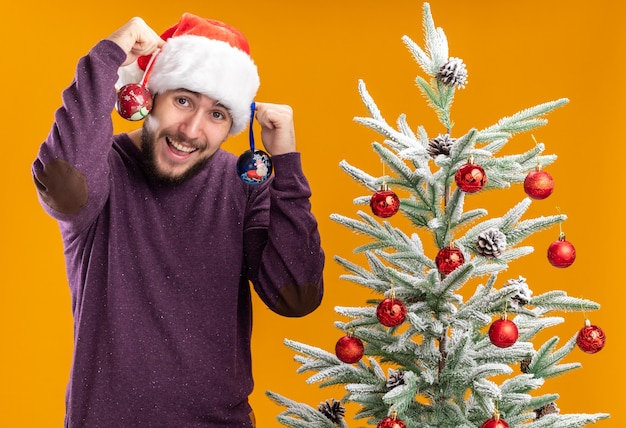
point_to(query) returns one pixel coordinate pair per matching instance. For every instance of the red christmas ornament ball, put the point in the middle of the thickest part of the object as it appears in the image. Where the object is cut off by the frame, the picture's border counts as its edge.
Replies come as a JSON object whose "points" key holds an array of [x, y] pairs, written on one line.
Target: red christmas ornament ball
{"points": [[391, 312], [495, 423], [590, 338], [561, 253], [538, 184], [391, 422], [384, 203], [134, 101], [349, 349], [448, 259], [503, 333], [470, 178]]}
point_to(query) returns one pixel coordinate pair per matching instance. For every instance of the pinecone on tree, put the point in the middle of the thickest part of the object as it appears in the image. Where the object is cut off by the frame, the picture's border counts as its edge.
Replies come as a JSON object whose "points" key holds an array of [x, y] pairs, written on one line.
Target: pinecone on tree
{"points": [[396, 378], [440, 145], [546, 410], [491, 243], [523, 294], [453, 73], [333, 410], [524, 364]]}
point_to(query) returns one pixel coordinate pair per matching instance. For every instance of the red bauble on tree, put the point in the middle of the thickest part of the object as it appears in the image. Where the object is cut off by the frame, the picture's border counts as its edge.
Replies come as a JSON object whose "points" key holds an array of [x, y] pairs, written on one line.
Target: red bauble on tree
{"points": [[448, 259], [538, 184], [134, 101], [503, 333], [384, 203], [471, 177], [561, 253], [391, 312], [391, 422], [495, 422], [349, 349], [590, 338]]}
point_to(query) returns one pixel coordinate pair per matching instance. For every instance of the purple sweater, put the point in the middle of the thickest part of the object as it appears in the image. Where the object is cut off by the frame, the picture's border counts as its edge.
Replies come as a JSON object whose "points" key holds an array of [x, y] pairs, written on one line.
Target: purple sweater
{"points": [[159, 275]]}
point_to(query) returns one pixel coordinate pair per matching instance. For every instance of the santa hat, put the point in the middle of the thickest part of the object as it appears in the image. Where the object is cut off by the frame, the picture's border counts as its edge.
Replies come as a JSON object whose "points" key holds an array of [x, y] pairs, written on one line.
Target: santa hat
{"points": [[204, 56]]}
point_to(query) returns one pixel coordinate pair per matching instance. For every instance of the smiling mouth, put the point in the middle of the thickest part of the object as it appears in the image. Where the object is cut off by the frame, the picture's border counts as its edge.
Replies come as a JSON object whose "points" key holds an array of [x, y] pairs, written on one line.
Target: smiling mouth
{"points": [[179, 147]]}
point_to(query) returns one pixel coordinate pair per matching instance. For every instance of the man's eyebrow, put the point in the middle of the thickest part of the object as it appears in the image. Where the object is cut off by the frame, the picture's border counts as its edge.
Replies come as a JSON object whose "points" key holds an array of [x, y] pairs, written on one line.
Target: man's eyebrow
{"points": [[187, 91]]}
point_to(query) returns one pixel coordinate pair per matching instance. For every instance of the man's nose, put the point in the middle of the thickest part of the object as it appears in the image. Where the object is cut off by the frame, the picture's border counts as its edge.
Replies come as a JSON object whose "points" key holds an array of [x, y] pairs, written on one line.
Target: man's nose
{"points": [[192, 125]]}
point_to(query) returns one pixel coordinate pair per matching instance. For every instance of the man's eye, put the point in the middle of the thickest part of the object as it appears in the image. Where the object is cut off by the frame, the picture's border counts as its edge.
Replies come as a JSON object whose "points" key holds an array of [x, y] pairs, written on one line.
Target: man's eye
{"points": [[218, 115], [182, 101]]}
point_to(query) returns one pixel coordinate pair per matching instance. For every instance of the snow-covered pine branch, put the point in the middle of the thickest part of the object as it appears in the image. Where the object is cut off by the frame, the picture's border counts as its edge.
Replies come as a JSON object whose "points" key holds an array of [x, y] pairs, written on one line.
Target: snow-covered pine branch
{"points": [[526, 119]]}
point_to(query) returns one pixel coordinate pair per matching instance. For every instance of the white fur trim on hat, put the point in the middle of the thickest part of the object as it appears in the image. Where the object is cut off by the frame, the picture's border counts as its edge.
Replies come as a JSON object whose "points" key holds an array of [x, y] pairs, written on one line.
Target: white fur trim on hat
{"points": [[210, 67], [130, 73]]}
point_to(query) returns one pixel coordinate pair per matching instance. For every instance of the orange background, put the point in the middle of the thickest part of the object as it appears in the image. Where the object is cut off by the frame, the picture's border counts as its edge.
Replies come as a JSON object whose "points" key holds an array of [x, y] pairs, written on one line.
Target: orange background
{"points": [[310, 55]]}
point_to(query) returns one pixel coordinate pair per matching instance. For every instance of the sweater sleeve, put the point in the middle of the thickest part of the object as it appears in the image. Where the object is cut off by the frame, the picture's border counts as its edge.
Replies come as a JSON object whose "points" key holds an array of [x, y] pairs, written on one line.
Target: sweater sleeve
{"points": [[285, 260], [71, 170]]}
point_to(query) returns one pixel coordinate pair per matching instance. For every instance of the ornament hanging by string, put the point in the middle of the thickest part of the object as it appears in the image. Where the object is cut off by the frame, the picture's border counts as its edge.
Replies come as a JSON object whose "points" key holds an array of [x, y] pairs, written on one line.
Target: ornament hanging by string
{"points": [[254, 166], [448, 259], [391, 312], [590, 338], [391, 421], [503, 333], [470, 177], [349, 348], [538, 184], [561, 253], [384, 203], [134, 100], [495, 422]]}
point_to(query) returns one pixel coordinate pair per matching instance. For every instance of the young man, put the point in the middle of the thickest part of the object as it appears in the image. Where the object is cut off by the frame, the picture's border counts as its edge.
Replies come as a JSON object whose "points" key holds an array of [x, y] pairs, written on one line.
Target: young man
{"points": [[161, 235]]}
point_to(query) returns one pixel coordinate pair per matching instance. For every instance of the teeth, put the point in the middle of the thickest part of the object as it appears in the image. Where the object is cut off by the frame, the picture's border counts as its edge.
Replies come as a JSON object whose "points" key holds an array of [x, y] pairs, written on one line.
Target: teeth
{"points": [[180, 147]]}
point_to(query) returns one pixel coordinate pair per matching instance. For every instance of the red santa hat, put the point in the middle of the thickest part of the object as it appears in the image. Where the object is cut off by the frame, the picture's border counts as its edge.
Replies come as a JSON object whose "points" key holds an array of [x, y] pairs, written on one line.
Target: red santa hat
{"points": [[205, 56]]}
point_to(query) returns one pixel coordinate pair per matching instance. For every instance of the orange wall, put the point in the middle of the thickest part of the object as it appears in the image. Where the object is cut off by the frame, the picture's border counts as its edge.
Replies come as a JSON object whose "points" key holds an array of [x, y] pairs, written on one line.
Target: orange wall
{"points": [[311, 55]]}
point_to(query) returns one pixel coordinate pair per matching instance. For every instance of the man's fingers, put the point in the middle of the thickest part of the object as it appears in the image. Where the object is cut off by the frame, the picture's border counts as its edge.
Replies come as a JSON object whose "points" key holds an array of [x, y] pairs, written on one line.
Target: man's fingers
{"points": [[136, 38], [274, 115]]}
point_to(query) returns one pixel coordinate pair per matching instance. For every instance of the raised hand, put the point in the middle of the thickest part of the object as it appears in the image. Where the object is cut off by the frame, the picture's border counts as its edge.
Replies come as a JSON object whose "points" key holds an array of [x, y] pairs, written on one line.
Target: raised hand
{"points": [[136, 38], [277, 128]]}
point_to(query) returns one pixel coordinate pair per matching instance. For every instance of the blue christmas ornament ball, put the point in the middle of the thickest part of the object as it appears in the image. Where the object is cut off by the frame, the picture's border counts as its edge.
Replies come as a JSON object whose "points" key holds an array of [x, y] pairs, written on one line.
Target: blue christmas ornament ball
{"points": [[254, 167]]}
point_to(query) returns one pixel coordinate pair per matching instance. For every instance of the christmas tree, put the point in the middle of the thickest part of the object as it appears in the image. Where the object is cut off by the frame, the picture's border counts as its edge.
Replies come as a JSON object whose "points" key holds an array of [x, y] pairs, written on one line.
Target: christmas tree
{"points": [[427, 352]]}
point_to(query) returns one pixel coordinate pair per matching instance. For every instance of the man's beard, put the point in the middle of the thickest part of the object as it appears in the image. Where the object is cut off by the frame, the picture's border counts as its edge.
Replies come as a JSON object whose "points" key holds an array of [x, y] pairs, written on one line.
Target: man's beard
{"points": [[148, 142]]}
